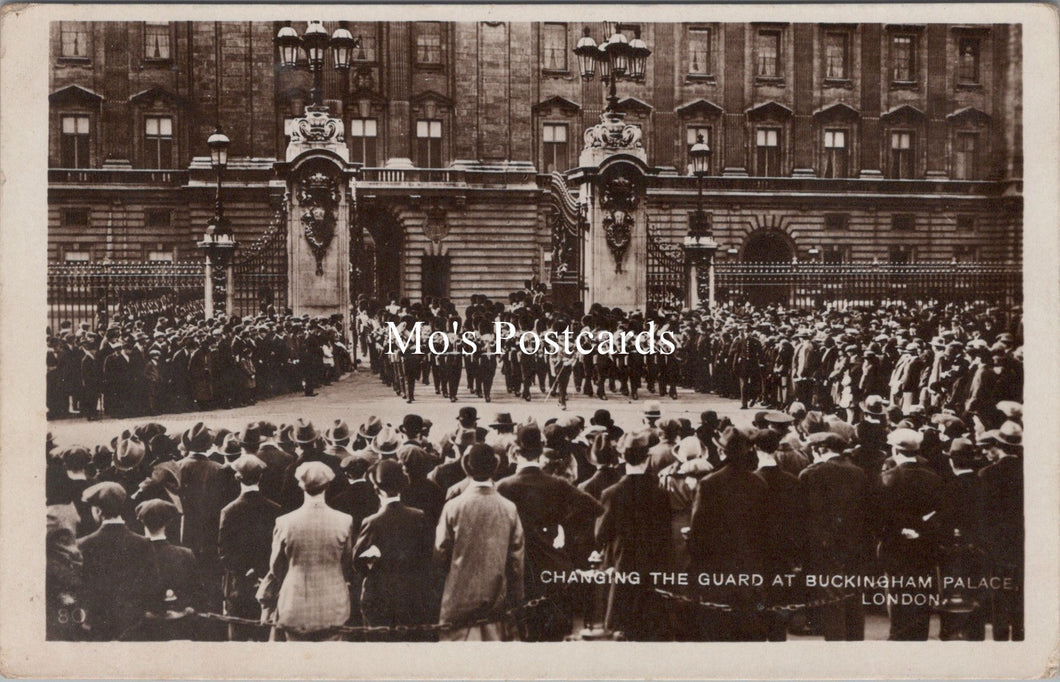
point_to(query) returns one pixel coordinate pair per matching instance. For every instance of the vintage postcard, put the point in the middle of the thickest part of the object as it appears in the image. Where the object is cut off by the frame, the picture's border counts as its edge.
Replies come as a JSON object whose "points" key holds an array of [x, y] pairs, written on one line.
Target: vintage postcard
{"points": [[632, 341]]}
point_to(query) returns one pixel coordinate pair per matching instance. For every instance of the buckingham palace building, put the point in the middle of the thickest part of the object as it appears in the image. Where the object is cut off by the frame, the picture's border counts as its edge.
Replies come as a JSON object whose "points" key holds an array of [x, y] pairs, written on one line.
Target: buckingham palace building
{"points": [[833, 148]]}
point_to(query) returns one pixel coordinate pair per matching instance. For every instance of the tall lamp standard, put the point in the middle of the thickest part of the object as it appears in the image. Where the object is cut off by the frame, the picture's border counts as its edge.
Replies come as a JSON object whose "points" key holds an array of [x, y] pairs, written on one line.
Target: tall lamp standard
{"points": [[700, 246], [218, 242], [616, 58], [315, 43]]}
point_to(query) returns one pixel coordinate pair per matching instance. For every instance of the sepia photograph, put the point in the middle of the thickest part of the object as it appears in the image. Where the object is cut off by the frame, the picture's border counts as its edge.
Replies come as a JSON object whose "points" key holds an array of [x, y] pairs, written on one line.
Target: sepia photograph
{"points": [[552, 329]]}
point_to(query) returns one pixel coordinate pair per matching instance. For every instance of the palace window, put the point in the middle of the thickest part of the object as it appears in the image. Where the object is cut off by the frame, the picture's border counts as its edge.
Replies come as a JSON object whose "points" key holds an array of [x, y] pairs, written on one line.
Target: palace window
{"points": [[699, 55], [692, 134], [903, 58], [836, 222], [767, 152], [156, 42], [364, 134], [73, 40], [966, 224], [76, 256], [835, 153], [554, 47], [429, 42], [966, 156], [767, 58], [368, 50], [833, 254], [76, 218], [74, 141], [836, 56], [968, 61], [158, 141], [555, 148], [158, 218], [900, 255], [903, 222], [429, 143], [903, 155]]}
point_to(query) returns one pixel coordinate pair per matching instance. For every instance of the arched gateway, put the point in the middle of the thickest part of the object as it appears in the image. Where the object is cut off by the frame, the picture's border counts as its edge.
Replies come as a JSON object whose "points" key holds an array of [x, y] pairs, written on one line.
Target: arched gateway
{"points": [[770, 249]]}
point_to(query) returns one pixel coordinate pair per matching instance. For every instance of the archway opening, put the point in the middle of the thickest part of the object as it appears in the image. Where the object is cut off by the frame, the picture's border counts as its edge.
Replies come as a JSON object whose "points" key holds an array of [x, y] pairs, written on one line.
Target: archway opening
{"points": [[765, 251]]}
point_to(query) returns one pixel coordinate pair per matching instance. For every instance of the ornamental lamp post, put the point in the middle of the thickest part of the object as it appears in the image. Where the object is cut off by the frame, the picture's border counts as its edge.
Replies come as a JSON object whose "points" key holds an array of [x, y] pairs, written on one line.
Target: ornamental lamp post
{"points": [[616, 57], [218, 242], [700, 246], [315, 42]]}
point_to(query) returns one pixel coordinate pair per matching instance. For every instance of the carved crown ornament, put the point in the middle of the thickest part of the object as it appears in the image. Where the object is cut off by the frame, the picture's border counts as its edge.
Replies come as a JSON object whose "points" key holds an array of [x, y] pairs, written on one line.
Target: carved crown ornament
{"points": [[317, 126], [612, 132], [318, 193], [619, 198]]}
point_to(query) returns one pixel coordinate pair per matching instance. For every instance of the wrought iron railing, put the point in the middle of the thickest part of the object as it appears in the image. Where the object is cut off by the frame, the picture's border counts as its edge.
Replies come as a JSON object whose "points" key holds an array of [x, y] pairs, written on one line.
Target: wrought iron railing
{"points": [[98, 293], [866, 283]]}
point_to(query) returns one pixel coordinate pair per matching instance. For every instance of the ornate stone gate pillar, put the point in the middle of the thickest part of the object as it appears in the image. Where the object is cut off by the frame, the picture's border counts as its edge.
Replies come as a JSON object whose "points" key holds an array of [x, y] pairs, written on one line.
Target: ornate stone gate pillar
{"points": [[612, 175], [321, 186]]}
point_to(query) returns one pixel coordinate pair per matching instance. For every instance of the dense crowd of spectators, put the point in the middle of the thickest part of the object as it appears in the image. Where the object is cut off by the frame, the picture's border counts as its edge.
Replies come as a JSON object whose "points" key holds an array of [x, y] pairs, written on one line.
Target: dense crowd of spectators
{"points": [[161, 363], [885, 458]]}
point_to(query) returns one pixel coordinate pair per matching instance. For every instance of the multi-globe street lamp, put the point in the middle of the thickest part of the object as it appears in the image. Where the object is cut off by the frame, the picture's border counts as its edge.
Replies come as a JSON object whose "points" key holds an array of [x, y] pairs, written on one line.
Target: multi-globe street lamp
{"points": [[616, 57], [316, 43]]}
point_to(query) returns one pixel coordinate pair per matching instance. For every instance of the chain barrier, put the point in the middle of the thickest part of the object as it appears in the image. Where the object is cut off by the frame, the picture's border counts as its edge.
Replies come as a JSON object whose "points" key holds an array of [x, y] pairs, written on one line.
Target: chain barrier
{"points": [[516, 613], [728, 608]]}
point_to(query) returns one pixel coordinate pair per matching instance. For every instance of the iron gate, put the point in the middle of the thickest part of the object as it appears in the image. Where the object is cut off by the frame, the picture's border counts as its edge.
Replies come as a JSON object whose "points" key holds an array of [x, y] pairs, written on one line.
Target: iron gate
{"points": [[260, 270], [100, 293], [666, 272]]}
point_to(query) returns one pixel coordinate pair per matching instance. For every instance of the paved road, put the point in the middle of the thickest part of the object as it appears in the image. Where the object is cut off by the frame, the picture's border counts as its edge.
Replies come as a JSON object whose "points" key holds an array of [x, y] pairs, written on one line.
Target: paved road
{"points": [[361, 394]]}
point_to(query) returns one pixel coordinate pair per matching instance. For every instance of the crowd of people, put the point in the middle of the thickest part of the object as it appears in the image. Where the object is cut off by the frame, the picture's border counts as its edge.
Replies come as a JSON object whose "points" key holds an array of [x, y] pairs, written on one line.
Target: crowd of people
{"points": [[506, 531], [165, 362], [956, 356], [883, 457]]}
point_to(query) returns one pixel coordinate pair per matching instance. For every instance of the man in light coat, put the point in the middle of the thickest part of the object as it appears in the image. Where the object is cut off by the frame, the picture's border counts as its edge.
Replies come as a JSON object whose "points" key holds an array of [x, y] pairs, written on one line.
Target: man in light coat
{"points": [[306, 593], [479, 540]]}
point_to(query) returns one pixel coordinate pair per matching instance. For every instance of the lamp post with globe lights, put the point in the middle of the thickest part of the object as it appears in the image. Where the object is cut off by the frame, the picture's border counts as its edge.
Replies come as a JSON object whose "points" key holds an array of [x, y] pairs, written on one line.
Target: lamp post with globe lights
{"points": [[699, 244], [315, 42], [616, 57], [218, 242]]}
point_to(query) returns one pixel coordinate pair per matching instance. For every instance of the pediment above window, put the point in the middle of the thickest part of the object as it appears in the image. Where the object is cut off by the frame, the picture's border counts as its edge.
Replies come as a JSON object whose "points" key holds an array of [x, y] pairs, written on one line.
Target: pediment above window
{"points": [[837, 113], [903, 115], [632, 105], [699, 108], [769, 111], [969, 116], [156, 96], [75, 94], [562, 104]]}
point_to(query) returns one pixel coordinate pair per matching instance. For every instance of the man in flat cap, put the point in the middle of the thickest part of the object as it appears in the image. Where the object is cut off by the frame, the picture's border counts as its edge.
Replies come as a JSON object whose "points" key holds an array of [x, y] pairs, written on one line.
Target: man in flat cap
{"points": [[244, 541], [634, 530], [1003, 535], [392, 557], [959, 530], [179, 579], [305, 593], [479, 544], [120, 573], [837, 538], [908, 497]]}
